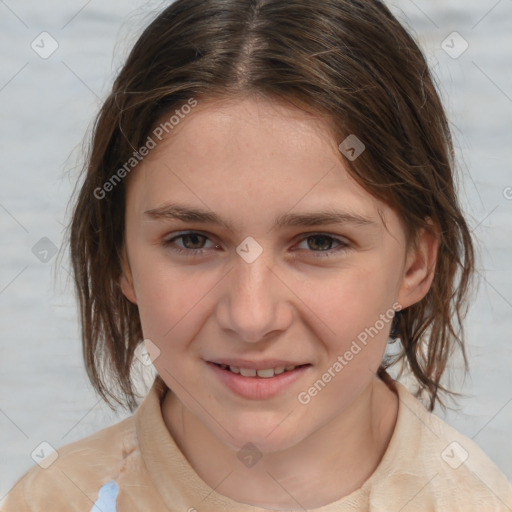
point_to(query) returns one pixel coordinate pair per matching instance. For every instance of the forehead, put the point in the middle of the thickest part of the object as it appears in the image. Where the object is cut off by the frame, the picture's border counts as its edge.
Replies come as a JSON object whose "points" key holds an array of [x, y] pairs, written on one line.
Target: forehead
{"points": [[224, 129], [249, 156]]}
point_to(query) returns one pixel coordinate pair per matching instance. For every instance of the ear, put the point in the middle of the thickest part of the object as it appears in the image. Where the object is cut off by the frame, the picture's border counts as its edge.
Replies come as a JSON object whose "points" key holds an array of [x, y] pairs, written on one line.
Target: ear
{"points": [[419, 267], [126, 279]]}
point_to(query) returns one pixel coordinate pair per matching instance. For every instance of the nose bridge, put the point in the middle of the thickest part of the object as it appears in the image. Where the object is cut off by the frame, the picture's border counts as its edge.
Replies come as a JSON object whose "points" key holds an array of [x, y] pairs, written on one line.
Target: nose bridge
{"points": [[253, 296]]}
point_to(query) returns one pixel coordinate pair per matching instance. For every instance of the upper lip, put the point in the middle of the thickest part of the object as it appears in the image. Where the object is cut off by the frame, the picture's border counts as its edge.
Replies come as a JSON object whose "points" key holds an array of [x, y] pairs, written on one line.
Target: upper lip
{"points": [[256, 365]]}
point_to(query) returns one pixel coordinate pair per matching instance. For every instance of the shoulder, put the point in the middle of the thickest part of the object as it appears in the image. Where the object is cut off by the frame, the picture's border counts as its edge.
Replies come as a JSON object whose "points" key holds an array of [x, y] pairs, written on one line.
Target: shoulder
{"points": [[438, 465], [71, 481]]}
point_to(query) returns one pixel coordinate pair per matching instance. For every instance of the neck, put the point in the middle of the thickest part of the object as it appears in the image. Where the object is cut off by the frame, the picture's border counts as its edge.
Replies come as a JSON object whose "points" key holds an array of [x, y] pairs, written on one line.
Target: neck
{"points": [[326, 466]]}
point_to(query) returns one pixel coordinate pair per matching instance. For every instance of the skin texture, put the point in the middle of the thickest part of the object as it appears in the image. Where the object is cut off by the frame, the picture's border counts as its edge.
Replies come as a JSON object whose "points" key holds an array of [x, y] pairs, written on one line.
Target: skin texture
{"points": [[250, 160]]}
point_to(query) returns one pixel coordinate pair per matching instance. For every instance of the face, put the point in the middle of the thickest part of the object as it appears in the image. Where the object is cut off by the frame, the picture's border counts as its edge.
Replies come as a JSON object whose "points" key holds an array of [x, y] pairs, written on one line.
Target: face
{"points": [[266, 280]]}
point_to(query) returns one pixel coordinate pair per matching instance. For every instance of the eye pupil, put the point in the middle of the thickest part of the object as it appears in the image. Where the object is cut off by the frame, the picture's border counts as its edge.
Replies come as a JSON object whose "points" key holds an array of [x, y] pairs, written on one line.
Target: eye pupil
{"points": [[192, 236], [326, 239]]}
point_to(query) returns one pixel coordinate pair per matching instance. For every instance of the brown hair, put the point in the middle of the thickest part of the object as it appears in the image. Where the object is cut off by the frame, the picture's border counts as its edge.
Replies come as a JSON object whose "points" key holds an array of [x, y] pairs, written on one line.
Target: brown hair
{"points": [[349, 61]]}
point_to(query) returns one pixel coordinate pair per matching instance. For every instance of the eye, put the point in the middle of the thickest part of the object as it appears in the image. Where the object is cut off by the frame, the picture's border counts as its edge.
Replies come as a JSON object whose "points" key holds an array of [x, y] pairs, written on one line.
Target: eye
{"points": [[322, 244], [192, 239]]}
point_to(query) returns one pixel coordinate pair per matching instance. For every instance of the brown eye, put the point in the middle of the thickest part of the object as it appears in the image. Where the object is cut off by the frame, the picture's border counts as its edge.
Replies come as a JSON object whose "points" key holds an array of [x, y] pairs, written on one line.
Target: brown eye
{"points": [[320, 242], [192, 243], [323, 244]]}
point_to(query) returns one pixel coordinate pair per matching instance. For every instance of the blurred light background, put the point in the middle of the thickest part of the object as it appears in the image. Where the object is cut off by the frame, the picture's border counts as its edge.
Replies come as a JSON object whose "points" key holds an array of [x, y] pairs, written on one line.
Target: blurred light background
{"points": [[48, 104]]}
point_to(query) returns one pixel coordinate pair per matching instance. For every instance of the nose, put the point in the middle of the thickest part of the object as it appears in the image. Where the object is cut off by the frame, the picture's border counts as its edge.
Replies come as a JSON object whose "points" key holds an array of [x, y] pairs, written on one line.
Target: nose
{"points": [[255, 302]]}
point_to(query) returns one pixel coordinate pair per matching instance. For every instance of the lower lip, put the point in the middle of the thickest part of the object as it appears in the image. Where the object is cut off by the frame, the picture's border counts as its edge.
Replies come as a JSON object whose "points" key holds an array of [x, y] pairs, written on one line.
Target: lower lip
{"points": [[257, 388]]}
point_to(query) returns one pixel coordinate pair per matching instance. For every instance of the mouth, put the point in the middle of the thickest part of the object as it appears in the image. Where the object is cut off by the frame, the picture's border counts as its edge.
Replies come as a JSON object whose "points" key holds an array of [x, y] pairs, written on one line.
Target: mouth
{"points": [[263, 373], [258, 381]]}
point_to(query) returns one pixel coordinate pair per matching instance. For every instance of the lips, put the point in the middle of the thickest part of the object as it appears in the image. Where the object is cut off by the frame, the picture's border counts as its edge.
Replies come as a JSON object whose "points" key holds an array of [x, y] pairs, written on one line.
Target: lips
{"points": [[258, 380]]}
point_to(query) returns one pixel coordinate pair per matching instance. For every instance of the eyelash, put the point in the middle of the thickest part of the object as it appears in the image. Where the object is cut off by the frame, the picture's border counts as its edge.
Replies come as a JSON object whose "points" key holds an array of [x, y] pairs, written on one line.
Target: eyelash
{"points": [[198, 252]]}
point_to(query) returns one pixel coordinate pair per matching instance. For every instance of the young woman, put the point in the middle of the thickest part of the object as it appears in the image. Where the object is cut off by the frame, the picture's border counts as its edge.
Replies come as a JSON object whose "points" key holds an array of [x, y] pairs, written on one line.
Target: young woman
{"points": [[268, 201]]}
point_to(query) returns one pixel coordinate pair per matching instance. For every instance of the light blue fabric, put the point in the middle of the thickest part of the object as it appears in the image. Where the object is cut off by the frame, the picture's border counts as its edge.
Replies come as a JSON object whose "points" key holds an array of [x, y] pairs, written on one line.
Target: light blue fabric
{"points": [[107, 496]]}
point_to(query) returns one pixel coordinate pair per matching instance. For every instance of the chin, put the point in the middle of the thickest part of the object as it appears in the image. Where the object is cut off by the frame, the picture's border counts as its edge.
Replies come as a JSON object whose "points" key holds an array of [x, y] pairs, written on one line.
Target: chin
{"points": [[266, 436]]}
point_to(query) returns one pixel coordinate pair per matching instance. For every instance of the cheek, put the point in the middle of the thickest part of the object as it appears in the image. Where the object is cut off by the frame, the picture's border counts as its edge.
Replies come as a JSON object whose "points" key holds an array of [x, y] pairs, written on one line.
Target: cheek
{"points": [[352, 297], [170, 298], [353, 315], [167, 304]]}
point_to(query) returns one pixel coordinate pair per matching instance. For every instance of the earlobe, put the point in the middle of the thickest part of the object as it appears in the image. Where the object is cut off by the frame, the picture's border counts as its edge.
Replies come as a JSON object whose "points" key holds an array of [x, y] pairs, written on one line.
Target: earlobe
{"points": [[126, 280], [420, 268]]}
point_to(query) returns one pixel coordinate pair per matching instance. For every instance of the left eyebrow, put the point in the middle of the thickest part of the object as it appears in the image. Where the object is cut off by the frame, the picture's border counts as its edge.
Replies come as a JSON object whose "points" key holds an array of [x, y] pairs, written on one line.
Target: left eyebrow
{"points": [[171, 211]]}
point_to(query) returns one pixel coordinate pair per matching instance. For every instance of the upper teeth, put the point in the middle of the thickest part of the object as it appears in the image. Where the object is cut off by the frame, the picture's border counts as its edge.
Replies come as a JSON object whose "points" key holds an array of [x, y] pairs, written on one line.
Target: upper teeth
{"points": [[265, 373]]}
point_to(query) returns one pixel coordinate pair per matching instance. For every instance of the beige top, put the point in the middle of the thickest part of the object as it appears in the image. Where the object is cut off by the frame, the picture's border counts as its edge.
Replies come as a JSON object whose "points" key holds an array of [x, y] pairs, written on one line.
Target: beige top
{"points": [[428, 466]]}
